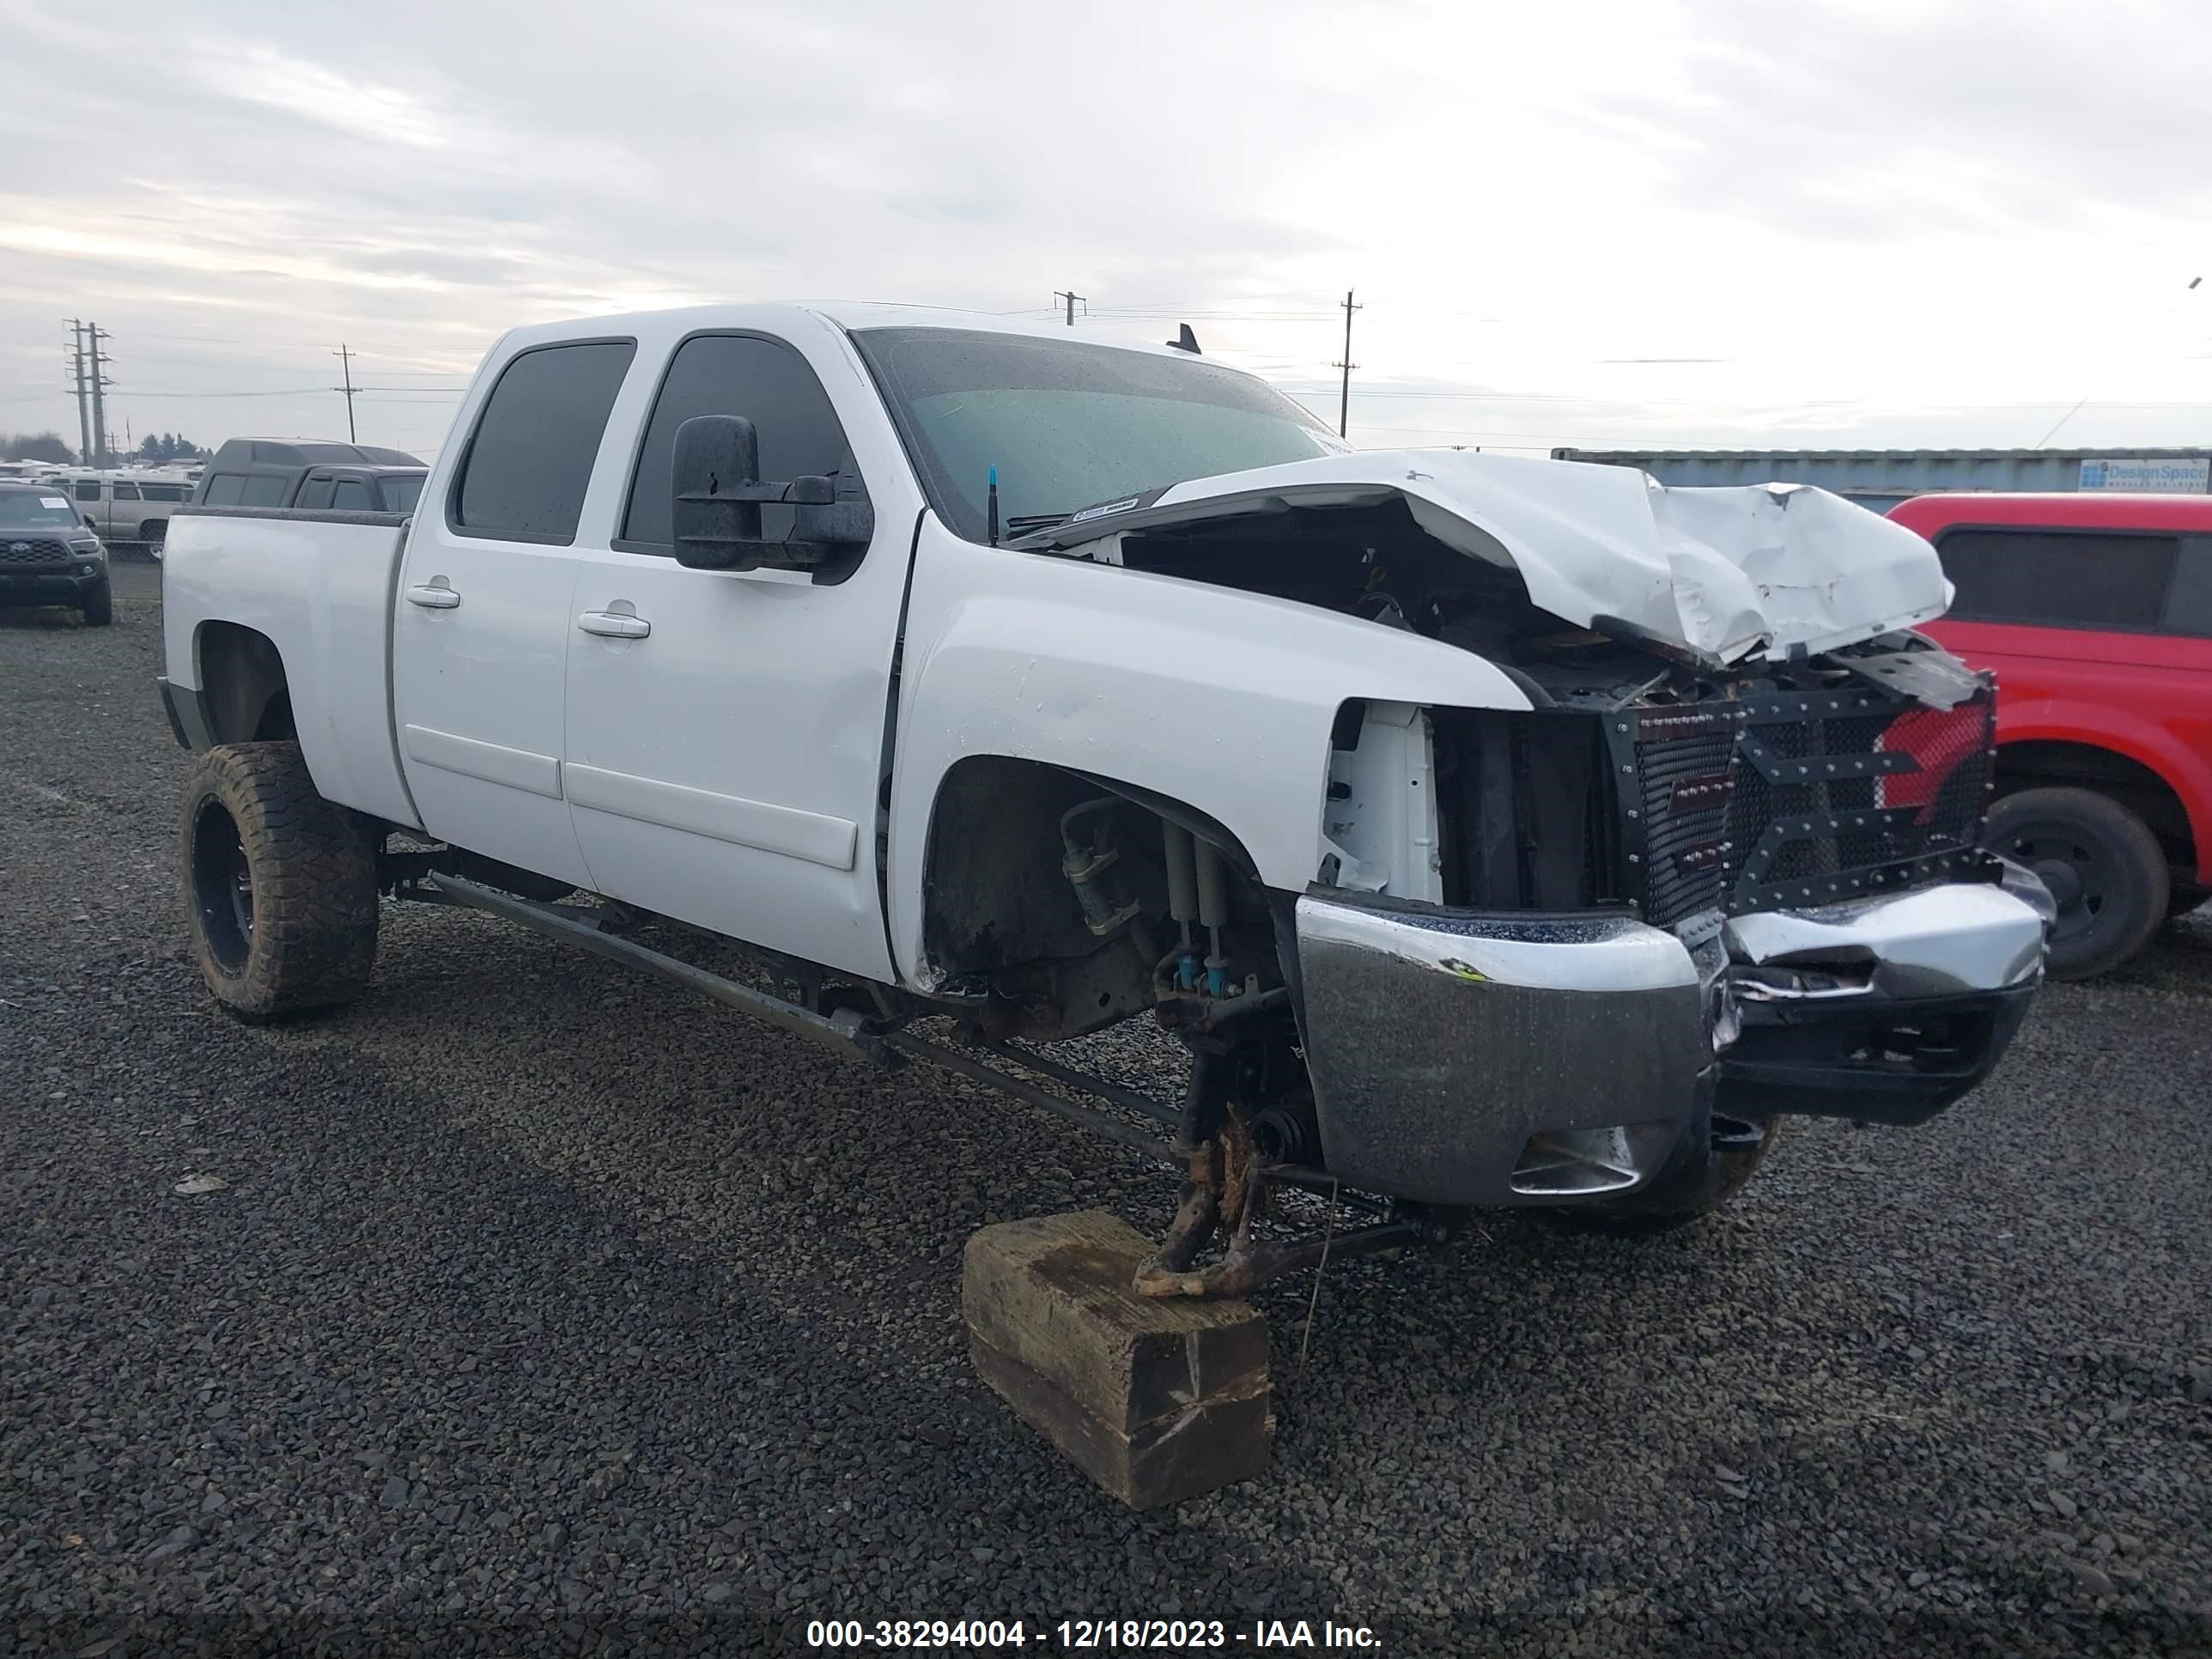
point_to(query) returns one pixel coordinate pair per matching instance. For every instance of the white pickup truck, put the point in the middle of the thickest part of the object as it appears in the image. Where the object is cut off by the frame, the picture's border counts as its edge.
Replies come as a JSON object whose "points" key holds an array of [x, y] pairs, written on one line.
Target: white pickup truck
{"points": [[1492, 832]]}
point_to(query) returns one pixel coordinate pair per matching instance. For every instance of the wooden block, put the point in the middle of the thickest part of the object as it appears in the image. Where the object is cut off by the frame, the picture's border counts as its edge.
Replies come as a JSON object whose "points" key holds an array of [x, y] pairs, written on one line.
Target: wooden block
{"points": [[1157, 1399]]}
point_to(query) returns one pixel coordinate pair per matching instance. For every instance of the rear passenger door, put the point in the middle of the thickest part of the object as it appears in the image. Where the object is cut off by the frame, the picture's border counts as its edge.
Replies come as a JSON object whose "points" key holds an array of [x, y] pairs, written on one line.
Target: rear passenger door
{"points": [[726, 727], [482, 628]]}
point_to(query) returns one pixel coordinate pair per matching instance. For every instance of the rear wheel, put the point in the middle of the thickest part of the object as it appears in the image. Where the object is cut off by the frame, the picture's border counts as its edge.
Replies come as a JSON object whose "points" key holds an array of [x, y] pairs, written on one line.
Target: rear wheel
{"points": [[2104, 867], [280, 884], [1739, 1146], [97, 607], [153, 532]]}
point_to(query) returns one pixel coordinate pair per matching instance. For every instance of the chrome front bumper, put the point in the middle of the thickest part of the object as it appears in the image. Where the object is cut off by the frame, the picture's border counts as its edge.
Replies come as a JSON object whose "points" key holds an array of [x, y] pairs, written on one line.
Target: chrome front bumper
{"points": [[1493, 1060]]}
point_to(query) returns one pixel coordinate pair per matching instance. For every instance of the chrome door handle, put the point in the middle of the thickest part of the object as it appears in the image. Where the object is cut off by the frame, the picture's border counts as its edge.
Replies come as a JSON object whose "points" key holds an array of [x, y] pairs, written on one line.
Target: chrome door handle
{"points": [[615, 625], [434, 595]]}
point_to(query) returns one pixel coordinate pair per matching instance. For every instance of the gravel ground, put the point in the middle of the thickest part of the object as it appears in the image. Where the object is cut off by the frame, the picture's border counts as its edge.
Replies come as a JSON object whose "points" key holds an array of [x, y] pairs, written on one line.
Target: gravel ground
{"points": [[549, 1308]]}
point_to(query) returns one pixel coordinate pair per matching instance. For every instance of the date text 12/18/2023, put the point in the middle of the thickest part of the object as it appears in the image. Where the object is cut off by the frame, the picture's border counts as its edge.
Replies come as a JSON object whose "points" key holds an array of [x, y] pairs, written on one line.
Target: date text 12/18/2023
{"points": [[1089, 1635]]}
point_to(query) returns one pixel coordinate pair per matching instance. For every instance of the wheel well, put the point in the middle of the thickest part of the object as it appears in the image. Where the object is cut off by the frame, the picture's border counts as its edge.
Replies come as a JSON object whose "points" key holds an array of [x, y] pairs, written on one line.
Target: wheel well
{"points": [[999, 912], [242, 682], [2045, 764]]}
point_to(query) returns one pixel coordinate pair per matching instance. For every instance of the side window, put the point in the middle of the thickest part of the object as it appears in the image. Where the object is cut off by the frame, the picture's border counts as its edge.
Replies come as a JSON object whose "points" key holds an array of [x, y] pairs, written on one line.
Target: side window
{"points": [[530, 460], [768, 383], [126, 492], [353, 496], [164, 492], [316, 492], [2059, 578], [265, 489], [225, 490], [2188, 602], [87, 490]]}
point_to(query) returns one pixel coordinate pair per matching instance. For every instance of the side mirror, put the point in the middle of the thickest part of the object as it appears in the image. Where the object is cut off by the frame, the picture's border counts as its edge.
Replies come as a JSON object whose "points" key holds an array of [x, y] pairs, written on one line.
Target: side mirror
{"points": [[715, 517]]}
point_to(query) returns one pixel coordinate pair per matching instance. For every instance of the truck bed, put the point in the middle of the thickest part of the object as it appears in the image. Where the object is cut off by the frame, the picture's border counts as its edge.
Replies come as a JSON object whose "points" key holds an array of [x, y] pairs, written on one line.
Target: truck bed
{"points": [[317, 582]]}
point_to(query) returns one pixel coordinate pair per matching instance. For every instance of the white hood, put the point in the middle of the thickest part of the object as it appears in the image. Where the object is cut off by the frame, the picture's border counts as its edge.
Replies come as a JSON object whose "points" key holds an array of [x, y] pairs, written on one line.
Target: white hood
{"points": [[1730, 572]]}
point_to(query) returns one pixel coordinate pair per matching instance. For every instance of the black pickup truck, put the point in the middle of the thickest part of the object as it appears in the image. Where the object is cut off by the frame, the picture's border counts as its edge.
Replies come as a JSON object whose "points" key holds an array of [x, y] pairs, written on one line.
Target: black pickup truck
{"points": [[50, 555], [299, 473]]}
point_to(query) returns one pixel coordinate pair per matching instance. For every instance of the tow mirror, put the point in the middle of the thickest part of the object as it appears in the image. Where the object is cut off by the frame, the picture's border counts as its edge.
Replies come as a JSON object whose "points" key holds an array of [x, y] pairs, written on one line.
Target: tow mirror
{"points": [[715, 517]]}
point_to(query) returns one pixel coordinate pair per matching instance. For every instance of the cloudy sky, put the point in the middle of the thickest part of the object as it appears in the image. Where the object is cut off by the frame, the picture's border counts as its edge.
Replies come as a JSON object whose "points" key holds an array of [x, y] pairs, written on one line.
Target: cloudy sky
{"points": [[1714, 222]]}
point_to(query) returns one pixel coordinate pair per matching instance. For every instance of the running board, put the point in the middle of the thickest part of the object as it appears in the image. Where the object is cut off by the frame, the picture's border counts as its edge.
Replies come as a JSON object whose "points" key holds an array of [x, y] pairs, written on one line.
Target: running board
{"points": [[846, 1030]]}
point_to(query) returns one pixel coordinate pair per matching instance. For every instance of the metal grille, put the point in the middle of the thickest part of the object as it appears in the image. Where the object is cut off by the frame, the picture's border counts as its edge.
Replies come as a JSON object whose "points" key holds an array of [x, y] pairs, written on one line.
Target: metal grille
{"points": [[18, 551], [1685, 761], [1806, 798]]}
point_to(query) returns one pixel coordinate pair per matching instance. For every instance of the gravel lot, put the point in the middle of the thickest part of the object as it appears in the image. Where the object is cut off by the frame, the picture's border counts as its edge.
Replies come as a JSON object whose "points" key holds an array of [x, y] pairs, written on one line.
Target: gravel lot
{"points": [[551, 1309]]}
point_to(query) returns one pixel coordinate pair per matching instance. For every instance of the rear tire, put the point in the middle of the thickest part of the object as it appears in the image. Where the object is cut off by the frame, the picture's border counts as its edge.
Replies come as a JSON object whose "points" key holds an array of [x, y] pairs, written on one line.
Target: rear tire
{"points": [[97, 607], [280, 884], [1731, 1172], [2103, 866]]}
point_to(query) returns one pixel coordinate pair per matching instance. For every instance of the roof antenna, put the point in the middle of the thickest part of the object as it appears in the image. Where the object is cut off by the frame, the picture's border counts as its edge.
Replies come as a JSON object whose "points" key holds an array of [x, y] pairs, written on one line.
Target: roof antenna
{"points": [[992, 497], [1186, 341]]}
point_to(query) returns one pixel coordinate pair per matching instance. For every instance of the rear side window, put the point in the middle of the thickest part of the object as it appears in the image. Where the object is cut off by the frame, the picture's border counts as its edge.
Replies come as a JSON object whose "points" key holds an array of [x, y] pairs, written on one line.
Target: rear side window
{"points": [[352, 495], [265, 489], [316, 492], [164, 492], [2059, 578], [530, 460], [400, 495], [768, 383], [87, 490], [225, 490], [124, 492]]}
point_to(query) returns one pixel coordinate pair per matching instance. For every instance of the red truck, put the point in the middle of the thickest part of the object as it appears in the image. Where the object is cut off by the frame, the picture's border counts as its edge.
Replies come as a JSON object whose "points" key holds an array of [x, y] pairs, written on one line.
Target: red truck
{"points": [[2095, 610]]}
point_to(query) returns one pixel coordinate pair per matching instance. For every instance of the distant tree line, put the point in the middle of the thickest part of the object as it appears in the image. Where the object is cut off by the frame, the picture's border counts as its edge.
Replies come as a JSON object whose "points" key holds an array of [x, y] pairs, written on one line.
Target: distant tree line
{"points": [[36, 447], [158, 446], [169, 447]]}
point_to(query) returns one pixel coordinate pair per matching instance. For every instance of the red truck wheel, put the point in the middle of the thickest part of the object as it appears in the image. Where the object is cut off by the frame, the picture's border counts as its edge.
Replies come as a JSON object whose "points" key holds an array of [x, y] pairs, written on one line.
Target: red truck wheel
{"points": [[2102, 864]]}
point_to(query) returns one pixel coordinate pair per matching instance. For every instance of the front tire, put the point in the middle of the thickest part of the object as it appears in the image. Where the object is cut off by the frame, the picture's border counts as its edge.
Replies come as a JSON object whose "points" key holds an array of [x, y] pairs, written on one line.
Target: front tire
{"points": [[2103, 866], [97, 607], [280, 884]]}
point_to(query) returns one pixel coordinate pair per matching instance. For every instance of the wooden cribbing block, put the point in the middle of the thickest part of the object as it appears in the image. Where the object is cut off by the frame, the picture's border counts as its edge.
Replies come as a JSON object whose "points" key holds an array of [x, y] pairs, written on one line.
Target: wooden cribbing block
{"points": [[1156, 1399]]}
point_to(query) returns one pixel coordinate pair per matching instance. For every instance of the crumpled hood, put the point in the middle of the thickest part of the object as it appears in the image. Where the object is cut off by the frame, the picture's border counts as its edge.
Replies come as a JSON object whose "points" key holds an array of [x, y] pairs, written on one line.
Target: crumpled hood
{"points": [[1733, 571]]}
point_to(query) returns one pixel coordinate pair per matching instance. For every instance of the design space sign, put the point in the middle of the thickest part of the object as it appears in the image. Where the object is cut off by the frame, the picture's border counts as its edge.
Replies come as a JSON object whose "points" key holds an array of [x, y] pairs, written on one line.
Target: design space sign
{"points": [[2187, 475]]}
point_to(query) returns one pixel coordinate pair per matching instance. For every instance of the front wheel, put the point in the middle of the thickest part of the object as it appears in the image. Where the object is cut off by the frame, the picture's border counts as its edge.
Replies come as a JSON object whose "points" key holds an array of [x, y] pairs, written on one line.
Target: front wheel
{"points": [[97, 607], [280, 884], [2104, 867]]}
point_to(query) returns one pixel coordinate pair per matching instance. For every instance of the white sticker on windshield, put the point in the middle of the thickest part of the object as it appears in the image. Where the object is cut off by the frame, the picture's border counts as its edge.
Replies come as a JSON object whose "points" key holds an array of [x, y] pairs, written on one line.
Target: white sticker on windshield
{"points": [[54, 500]]}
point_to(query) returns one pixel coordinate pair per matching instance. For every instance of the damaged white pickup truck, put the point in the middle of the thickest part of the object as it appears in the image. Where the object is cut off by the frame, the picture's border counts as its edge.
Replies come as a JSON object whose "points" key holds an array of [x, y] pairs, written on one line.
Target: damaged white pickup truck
{"points": [[1491, 832]]}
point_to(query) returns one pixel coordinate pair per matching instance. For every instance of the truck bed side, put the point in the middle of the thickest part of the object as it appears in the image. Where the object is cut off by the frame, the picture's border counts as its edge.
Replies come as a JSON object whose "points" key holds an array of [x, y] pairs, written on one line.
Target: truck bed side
{"points": [[314, 583]]}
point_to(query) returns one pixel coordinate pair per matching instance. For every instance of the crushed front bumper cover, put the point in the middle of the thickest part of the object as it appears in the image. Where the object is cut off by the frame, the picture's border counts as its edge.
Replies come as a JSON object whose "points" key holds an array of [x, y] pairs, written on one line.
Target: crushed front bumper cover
{"points": [[1491, 1059]]}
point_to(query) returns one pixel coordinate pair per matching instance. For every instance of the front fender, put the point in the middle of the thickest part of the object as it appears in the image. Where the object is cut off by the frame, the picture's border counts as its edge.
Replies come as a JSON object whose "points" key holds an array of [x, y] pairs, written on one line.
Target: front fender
{"points": [[1218, 699]]}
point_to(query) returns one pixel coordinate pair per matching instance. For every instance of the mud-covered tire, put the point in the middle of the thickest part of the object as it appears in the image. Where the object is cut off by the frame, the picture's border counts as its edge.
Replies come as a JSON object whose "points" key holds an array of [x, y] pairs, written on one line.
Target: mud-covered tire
{"points": [[97, 607], [280, 884], [1731, 1172]]}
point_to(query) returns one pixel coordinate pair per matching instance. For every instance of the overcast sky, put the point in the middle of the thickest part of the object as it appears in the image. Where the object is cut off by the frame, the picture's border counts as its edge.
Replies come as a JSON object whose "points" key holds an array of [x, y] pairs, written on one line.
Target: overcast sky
{"points": [[1719, 222]]}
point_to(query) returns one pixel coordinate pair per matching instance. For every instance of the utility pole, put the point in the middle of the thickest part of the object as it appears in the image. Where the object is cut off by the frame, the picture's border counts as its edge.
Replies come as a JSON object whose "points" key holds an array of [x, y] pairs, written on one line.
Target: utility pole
{"points": [[1344, 399], [1071, 297], [83, 407], [345, 357], [94, 334]]}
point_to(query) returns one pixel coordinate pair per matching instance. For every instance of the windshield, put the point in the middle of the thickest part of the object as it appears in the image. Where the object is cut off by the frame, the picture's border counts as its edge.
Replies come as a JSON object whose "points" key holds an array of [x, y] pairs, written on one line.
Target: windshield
{"points": [[36, 509], [1070, 424], [400, 495]]}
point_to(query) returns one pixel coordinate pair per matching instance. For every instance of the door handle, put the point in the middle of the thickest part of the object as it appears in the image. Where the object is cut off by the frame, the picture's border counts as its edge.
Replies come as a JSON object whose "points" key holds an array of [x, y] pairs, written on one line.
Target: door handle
{"points": [[436, 594], [615, 625]]}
